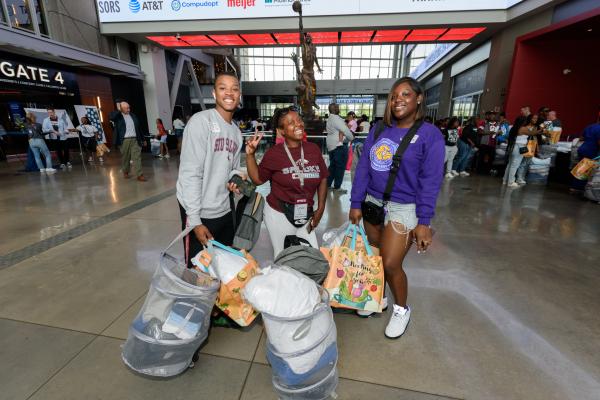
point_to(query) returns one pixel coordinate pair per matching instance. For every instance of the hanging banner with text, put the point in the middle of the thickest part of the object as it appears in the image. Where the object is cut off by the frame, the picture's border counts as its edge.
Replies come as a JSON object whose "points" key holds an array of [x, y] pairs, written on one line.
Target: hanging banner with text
{"points": [[177, 10]]}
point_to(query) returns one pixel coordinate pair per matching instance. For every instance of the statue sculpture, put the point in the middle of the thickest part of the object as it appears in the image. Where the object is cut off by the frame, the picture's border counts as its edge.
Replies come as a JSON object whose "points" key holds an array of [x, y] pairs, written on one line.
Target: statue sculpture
{"points": [[307, 84]]}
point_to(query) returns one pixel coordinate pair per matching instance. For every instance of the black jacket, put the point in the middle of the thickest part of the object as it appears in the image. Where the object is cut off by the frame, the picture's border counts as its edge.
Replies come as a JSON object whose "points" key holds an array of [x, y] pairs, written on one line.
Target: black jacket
{"points": [[120, 127]]}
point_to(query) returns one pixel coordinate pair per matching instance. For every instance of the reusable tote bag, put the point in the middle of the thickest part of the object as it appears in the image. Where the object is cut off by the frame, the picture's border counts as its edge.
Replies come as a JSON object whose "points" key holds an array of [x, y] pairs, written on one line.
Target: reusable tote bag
{"points": [[531, 147], [234, 269], [585, 168], [355, 279]]}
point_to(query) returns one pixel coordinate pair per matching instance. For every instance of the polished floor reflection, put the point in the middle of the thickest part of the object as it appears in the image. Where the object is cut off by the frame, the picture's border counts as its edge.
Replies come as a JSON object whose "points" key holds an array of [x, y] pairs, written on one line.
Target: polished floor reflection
{"points": [[504, 304]]}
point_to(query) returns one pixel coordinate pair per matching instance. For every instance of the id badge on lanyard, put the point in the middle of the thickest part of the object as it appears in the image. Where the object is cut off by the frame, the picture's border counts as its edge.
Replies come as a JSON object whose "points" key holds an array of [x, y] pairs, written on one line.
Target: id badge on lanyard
{"points": [[301, 210]]}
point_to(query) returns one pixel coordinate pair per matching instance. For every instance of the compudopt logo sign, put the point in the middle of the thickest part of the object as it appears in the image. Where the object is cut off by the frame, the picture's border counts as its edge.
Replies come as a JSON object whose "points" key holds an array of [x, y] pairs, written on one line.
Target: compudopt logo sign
{"points": [[176, 5]]}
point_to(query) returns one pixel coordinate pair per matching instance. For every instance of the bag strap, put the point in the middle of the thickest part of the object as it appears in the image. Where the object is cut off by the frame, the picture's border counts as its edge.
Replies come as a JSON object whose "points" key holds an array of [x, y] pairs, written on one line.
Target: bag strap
{"points": [[380, 127], [233, 211], [181, 235], [397, 160]]}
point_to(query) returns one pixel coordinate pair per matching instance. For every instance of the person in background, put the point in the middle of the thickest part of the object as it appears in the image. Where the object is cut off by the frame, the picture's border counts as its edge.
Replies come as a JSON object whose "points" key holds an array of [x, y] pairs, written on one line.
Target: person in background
{"points": [[532, 130], [210, 156], [178, 126], [37, 143], [363, 126], [409, 212], [589, 149], [57, 130], [128, 135], [487, 142], [467, 147], [162, 136], [525, 111], [553, 126], [338, 137], [517, 140], [296, 171], [89, 137], [503, 128], [451, 137], [351, 121]]}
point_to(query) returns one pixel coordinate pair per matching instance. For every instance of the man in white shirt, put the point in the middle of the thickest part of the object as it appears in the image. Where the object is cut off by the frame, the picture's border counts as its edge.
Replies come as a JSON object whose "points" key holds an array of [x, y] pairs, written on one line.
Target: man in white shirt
{"points": [[178, 126], [338, 137]]}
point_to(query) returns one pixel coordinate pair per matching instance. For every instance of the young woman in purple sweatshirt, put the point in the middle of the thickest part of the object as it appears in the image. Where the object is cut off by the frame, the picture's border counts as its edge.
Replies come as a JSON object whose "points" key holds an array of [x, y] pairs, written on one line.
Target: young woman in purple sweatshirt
{"points": [[409, 212]]}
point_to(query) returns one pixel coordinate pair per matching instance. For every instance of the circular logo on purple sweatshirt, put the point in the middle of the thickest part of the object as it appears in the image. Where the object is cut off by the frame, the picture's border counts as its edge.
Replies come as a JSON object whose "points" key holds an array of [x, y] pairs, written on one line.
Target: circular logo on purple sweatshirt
{"points": [[382, 153]]}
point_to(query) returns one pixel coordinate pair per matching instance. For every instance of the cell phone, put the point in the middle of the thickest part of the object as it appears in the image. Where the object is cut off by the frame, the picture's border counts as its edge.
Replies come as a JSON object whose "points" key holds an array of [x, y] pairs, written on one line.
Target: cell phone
{"points": [[247, 188]]}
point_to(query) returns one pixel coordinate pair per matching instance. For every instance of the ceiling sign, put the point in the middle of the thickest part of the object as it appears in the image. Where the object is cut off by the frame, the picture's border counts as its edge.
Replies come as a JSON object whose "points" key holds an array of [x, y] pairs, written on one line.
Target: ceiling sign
{"points": [[177, 10]]}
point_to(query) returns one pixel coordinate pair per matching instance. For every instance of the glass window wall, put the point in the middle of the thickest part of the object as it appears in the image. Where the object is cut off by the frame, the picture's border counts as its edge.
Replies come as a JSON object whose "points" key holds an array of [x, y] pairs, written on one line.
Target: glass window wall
{"points": [[19, 15], [466, 106], [267, 64], [419, 54]]}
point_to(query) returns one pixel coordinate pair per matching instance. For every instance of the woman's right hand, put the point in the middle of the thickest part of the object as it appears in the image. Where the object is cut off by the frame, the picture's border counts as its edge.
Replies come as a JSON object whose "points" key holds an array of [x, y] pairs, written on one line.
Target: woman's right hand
{"points": [[355, 215], [253, 142]]}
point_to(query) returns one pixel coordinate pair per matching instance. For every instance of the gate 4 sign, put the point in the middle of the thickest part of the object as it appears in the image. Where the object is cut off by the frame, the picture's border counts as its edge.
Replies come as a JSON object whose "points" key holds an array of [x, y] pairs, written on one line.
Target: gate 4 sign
{"points": [[23, 74]]}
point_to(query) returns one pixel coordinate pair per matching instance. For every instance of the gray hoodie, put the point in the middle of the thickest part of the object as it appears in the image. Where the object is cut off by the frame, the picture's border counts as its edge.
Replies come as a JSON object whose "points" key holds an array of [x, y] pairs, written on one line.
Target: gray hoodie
{"points": [[209, 153]]}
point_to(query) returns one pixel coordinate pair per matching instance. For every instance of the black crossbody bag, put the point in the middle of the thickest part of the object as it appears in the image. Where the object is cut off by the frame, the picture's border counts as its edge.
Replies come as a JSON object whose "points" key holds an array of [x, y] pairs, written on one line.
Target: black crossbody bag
{"points": [[373, 213]]}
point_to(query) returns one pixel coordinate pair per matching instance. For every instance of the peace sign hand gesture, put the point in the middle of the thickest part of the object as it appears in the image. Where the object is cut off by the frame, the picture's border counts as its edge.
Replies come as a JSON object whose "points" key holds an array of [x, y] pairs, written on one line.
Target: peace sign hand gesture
{"points": [[253, 142]]}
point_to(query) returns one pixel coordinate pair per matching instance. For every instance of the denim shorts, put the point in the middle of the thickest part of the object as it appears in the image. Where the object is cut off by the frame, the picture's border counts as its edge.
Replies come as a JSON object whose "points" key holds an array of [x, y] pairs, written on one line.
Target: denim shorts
{"points": [[404, 214]]}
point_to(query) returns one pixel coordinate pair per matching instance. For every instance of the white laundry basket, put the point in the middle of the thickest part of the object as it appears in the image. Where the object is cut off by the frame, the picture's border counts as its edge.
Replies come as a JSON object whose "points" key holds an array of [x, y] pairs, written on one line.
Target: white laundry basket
{"points": [[310, 371], [174, 319]]}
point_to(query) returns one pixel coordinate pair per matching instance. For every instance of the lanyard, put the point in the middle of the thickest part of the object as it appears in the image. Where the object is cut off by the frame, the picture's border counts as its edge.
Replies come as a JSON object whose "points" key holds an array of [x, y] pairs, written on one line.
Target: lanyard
{"points": [[294, 166]]}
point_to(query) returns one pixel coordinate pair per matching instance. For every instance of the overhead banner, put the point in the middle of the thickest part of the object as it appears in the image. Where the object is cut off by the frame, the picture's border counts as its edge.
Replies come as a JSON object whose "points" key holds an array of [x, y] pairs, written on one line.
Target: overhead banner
{"points": [[177, 10], [93, 115], [41, 114]]}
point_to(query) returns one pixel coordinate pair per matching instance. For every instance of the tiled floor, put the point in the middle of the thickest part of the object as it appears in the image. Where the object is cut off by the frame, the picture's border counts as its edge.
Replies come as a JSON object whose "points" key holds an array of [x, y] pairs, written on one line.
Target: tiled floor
{"points": [[504, 304]]}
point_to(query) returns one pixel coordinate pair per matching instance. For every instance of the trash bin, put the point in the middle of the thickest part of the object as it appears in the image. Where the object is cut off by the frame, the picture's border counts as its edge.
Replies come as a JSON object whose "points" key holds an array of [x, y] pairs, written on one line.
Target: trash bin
{"points": [[174, 319]]}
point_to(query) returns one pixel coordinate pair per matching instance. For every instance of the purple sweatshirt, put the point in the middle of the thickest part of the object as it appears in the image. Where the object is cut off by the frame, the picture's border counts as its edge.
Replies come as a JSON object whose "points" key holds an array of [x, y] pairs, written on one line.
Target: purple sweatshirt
{"points": [[420, 176]]}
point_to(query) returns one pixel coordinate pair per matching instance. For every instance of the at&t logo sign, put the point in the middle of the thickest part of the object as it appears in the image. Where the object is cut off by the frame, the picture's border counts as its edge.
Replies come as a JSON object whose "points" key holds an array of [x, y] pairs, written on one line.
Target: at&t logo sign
{"points": [[176, 5], [134, 6]]}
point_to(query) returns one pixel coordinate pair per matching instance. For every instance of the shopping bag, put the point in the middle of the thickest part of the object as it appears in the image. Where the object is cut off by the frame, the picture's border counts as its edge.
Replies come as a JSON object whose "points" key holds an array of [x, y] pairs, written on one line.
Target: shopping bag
{"points": [[350, 157], [585, 168], [531, 146], [356, 278], [555, 136], [229, 299]]}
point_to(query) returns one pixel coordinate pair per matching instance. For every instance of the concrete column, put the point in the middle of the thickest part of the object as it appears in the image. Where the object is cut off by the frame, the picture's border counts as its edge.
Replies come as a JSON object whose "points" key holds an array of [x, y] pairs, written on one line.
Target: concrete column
{"points": [[445, 94], [156, 87]]}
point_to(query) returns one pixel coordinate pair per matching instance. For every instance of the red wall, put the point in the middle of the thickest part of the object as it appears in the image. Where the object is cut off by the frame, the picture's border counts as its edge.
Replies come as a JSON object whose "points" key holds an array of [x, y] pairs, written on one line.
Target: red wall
{"points": [[538, 80]]}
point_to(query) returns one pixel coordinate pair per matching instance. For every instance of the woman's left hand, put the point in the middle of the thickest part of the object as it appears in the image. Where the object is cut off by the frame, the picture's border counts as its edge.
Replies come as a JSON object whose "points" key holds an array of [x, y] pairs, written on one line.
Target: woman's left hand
{"points": [[318, 214], [424, 237]]}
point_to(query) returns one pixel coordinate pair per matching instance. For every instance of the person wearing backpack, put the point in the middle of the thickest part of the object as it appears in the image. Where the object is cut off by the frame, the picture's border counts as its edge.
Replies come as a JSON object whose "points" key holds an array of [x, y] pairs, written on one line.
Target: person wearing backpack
{"points": [[396, 186], [297, 171]]}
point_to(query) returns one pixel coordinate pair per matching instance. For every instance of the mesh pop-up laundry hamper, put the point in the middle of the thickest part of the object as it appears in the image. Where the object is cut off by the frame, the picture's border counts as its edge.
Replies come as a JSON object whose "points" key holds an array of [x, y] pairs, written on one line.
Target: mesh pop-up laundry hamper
{"points": [[174, 319], [315, 341]]}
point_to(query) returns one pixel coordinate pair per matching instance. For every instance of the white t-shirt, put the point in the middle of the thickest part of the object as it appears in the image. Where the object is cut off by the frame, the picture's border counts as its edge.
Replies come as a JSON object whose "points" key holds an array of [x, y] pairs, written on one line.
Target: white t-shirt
{"points": [[366, 127], [521, 140], [178, 124], [87, 130]]}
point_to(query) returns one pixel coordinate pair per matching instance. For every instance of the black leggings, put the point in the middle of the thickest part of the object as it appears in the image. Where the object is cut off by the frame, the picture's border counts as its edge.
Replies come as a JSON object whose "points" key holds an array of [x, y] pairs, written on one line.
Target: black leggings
{"points": [[221, 228]]}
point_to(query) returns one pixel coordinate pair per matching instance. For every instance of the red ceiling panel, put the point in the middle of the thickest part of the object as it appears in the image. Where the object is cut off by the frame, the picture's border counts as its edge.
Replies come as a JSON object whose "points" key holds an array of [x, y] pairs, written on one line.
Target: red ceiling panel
{"points": [[259, 39], [461, 33], [287, 38], [198, 40], [424, 35], [390, 36], [324, 37], [168, 41], [228, 40], [356, 36]]}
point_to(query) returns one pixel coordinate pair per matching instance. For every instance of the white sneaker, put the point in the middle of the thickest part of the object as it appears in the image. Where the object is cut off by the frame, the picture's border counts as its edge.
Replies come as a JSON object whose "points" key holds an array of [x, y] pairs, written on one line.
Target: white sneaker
{"points": [[454, 173], [167, 156], [514, 185], [63, 166], [160, 156], [91, 159], [449, 176], [100, 159], [367, 314], [50, 170], [520, 182], [69, 165], [465, 173], [398, 322]]}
